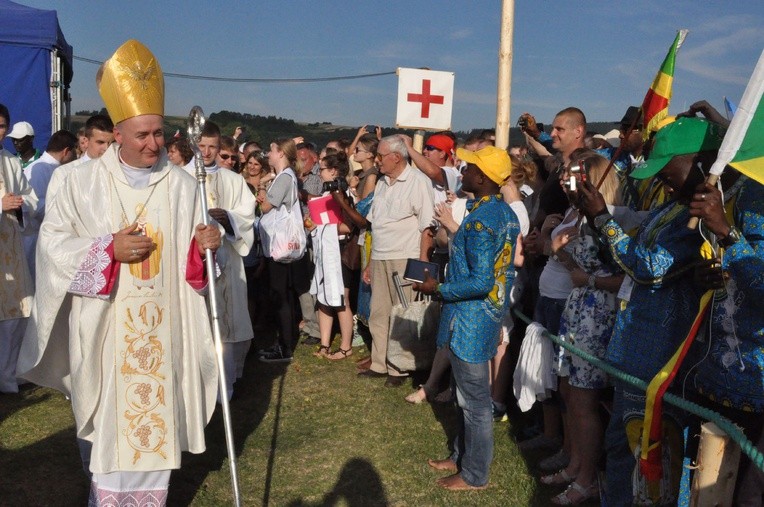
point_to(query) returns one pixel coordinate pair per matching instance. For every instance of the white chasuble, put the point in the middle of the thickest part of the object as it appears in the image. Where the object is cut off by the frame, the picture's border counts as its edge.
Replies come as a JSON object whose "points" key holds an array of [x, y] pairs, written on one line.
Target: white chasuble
{"points": [[138, 361], [228, 191], [16, 288], [143, 349]]}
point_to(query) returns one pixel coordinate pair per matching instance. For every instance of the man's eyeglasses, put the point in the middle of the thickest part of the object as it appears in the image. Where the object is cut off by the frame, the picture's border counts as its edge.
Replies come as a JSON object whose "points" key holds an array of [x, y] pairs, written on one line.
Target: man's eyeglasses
{"points": [[226, 156], [380, 156], [429, 147]]}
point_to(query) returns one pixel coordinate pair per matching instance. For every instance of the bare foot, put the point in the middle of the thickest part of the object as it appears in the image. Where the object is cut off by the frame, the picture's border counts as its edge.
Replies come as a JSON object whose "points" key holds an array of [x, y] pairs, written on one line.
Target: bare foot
{"points": [[417, 397], [443, 464], [456, 483]]}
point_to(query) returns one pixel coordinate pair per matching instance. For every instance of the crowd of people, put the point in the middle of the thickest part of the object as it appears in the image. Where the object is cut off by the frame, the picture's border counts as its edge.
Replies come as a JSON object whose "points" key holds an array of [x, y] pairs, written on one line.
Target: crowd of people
{"points": [[105, 288]]}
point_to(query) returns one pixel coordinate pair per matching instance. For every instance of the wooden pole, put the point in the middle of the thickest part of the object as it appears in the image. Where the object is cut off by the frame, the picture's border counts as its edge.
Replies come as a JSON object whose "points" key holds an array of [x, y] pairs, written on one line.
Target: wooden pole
{"points": [[716, 473], [418, 140], [504, 86]]}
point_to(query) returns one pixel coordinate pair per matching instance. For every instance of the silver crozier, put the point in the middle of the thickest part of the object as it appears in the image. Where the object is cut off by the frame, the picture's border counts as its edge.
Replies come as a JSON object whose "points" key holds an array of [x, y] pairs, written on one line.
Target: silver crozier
{"points": [[195, 125]]}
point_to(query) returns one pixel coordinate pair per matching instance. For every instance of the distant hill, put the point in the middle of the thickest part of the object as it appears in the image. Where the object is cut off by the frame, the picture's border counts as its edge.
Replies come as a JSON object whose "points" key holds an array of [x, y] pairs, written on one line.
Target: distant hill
{"points": [[264, 129]]}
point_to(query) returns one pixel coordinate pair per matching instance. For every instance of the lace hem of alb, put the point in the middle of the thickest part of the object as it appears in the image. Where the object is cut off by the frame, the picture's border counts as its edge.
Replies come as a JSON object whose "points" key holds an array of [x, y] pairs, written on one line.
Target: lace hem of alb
{"points": [[89, 279]]}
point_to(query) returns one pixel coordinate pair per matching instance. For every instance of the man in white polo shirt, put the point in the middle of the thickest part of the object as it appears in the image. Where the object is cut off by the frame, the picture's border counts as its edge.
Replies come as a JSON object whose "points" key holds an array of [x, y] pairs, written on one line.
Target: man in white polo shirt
{"points": [[402, 220]]}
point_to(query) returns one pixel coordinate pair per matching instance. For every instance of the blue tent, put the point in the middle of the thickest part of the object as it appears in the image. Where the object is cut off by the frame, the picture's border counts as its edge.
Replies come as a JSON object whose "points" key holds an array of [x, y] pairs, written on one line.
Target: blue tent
{"points": [[37, 69]]}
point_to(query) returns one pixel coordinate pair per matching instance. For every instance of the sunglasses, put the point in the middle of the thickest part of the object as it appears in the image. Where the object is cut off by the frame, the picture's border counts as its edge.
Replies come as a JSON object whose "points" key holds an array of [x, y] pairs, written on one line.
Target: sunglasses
{"points": [[226, 156], [430, 147]]}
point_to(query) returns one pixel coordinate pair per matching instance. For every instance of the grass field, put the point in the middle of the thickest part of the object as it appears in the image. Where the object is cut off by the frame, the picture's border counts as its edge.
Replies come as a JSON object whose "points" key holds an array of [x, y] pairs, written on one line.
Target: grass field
{"points": [[307, 434]]}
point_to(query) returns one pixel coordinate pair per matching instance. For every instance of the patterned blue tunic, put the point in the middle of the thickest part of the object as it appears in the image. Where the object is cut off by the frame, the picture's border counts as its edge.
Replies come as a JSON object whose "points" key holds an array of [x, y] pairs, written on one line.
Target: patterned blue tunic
{"points": [[664, 300], [732, 371], [479, 278]]}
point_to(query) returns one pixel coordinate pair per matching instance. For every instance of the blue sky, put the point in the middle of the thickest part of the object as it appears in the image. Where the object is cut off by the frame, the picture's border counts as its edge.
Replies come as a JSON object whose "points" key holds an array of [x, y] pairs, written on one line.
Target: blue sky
{"points": [[599, 56]]}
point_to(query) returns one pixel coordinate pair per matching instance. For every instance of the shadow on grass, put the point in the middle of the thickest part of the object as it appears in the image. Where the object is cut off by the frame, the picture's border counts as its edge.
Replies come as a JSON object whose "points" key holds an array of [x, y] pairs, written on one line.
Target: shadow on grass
{"points": [[27, 471], [358, 485], [251, 401]]}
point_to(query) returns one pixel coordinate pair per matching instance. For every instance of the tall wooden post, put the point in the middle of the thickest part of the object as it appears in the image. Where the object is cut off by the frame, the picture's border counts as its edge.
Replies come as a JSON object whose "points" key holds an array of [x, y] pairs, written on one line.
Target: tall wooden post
{"points": [[504, 87]]}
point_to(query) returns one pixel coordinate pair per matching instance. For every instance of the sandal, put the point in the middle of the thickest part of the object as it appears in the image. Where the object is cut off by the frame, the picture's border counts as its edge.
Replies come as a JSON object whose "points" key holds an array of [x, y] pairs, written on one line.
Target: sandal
{"points": [[560, 478], [344, 352], [323, 351], [582, 494]]}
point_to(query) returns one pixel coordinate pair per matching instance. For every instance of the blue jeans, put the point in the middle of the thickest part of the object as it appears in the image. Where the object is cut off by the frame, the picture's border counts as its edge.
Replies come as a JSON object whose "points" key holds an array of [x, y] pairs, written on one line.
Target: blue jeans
{"points": [[473, 445]]}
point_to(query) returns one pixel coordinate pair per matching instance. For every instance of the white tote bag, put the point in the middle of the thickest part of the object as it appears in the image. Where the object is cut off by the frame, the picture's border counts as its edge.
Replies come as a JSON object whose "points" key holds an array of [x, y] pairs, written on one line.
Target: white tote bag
{"points": [[282, 231]]}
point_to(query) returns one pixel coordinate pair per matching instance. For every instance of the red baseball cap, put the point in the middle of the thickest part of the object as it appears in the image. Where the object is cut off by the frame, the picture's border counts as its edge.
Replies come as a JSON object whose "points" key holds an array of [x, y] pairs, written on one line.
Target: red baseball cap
{"points": [[441, 142]]}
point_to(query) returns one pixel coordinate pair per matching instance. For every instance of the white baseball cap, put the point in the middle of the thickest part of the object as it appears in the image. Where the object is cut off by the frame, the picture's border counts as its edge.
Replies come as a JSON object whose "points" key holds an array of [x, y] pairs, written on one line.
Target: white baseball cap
{"points": [[21, 130]]}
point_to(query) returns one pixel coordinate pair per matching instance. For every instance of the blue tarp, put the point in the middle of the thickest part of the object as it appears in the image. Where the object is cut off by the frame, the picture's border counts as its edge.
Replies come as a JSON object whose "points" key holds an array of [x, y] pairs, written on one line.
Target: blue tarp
{"points": [[27, 37]]}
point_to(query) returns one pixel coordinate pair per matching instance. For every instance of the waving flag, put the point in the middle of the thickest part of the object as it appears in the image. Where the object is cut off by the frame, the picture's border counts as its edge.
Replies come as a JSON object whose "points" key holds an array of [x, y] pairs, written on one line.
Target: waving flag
{"points": [[743, 145], [655, 105], [730, 108]]}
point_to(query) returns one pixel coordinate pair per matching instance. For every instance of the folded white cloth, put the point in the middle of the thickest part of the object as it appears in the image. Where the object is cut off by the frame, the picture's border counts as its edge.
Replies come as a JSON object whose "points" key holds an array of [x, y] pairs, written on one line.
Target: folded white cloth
{"points": [[533, 379], [327, 277]]}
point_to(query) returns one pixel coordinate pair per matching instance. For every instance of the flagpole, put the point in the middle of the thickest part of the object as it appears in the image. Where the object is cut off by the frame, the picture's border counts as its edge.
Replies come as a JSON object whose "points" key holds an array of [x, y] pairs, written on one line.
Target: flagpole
{"points": [[504, 85]]}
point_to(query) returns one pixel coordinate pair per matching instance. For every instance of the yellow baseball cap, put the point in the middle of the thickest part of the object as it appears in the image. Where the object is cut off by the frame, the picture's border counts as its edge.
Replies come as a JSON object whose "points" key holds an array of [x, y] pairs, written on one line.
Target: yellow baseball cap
{"points": [[493, 161]]}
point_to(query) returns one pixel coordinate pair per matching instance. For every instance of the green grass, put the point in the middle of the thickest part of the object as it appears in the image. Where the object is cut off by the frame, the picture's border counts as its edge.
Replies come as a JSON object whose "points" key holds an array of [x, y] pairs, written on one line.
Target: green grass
{"points": [[307, 434]]}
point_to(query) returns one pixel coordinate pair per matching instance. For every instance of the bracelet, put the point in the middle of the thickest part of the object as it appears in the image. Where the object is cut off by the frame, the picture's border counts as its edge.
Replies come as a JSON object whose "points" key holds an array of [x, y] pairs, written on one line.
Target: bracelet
{"points": [[732, 237], [592, 282]]}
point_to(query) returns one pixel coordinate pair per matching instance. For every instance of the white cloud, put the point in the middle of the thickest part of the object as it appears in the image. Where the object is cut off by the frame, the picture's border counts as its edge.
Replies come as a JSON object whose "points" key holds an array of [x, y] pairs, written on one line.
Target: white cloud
{"points": [[712, 58], [460, 34]]}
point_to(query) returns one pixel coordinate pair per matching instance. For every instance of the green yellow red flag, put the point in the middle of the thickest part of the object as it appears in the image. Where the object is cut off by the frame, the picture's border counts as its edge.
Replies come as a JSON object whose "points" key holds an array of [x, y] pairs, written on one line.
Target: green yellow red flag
{"points": [[656, 103]]}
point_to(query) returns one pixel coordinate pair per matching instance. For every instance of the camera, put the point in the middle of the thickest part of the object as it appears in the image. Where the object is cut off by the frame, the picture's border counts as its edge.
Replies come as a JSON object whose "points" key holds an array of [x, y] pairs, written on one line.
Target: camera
{"points": [[578, 172], [371, 129], [339, 184]]}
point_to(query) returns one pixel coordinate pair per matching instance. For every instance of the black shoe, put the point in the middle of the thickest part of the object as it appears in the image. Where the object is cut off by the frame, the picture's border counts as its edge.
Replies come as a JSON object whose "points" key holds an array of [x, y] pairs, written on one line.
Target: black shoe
{"points": [[276, 356], [371, 374], [395, 381], [268, 350], [311, 340]]}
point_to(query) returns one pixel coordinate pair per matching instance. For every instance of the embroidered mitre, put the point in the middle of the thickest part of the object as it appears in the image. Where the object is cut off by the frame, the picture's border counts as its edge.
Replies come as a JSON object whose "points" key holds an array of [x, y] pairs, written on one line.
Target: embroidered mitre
{"points": [[131, 82]]}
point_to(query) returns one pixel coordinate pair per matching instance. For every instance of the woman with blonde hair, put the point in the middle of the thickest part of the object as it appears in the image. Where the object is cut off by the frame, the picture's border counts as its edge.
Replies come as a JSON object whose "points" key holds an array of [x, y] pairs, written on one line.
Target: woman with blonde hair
{"points": [[587, 322], [282, 157]]}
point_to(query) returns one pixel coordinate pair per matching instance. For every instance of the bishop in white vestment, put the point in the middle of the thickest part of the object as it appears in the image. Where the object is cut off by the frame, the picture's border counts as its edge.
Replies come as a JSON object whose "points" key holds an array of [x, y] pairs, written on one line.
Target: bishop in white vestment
{"points": [[120, 324]]}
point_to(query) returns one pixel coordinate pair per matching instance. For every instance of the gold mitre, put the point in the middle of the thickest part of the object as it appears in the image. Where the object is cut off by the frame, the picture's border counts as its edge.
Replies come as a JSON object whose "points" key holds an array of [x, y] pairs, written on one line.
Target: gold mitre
{"points": [[131, 82]]}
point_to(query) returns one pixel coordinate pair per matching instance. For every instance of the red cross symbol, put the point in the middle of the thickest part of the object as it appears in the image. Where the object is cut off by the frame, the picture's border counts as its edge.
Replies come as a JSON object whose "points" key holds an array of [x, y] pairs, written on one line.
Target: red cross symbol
{"points": [[425, 98]]}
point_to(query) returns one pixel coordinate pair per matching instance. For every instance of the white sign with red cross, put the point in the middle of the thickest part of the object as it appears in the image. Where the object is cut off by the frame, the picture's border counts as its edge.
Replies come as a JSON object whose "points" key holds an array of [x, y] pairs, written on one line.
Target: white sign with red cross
{"points": [[425, 99]]}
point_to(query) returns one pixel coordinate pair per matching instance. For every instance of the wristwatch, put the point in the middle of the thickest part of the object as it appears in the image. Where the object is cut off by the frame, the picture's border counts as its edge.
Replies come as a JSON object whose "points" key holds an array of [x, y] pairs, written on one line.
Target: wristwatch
{"points": [[732, 237], [601, 220]]}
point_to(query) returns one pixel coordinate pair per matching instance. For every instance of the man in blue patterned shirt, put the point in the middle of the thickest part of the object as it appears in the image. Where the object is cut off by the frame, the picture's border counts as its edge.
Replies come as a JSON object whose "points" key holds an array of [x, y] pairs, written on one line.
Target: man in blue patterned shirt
{"points": [[475, 296], [657, 309]]}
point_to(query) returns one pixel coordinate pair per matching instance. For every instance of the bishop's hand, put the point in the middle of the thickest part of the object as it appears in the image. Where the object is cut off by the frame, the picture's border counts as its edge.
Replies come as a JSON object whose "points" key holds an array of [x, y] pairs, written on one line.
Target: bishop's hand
{"points": [[130, 245], [207, 236]]}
